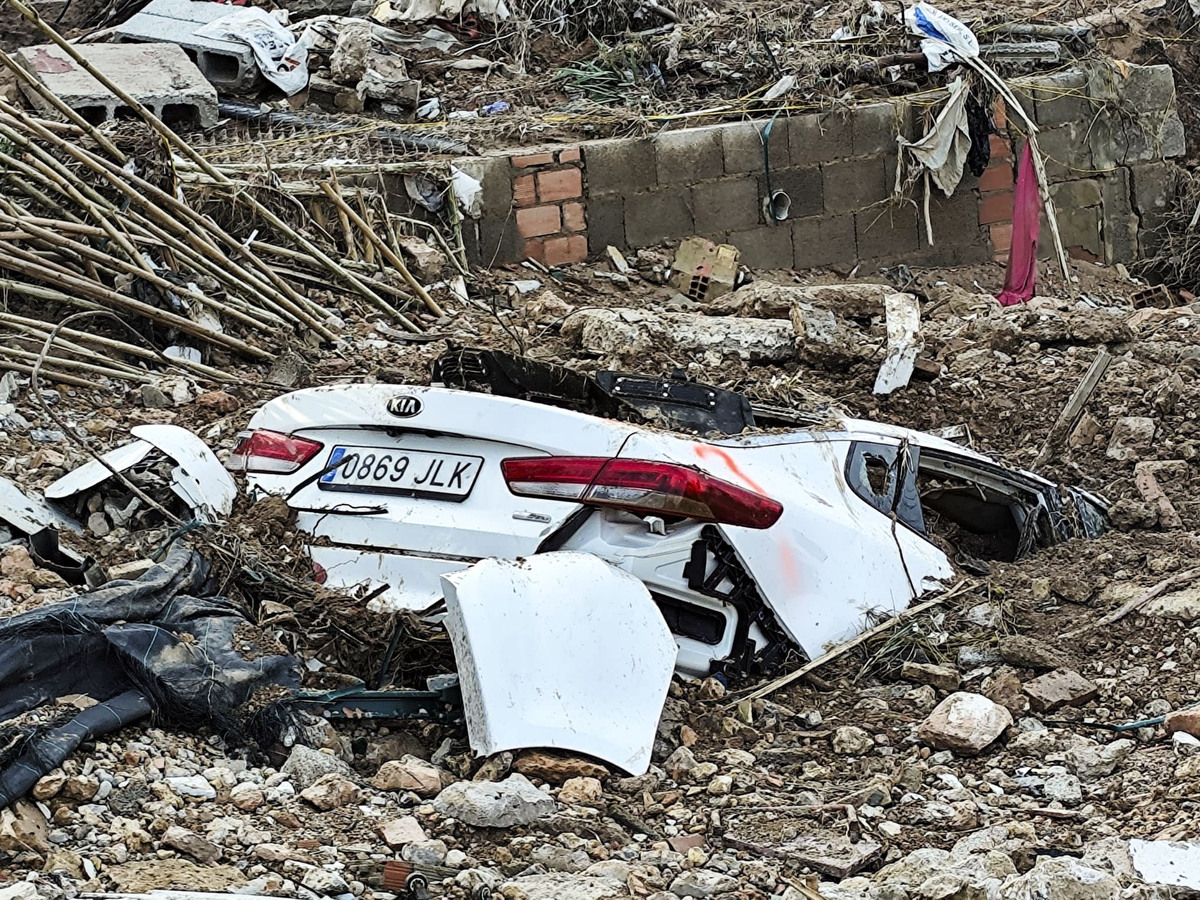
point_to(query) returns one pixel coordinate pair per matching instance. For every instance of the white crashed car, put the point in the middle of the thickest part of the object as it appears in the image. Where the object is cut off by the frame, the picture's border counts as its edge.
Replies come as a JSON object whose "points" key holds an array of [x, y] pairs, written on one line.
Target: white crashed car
{"points": [[758, 534]]}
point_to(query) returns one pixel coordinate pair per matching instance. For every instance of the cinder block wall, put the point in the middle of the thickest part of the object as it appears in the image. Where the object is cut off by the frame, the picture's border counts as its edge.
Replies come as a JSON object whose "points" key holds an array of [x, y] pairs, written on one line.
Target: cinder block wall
{"points": [[1106, 136]]}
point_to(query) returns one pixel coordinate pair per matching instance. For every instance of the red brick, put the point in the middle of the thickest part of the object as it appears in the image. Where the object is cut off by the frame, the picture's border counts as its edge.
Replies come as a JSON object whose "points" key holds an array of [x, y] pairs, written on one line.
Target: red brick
{"points": [[563, 250], [1001, 238], [572, 214], [532, 159], [997, 178], [523, 191], [538, 221], [569, 156], [536, 250], [1001, 148], [561, 185], [994, 208], [1082, 253]]}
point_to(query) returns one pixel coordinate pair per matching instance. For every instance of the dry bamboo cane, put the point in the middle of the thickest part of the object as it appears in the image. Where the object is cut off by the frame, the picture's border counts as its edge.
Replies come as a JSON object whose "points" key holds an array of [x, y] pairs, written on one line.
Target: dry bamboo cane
{"points": [[106, 297], [32, 16], [106, 371], [26, 333], [15, 321], [121, 180], [60, 377], [390, 256]]}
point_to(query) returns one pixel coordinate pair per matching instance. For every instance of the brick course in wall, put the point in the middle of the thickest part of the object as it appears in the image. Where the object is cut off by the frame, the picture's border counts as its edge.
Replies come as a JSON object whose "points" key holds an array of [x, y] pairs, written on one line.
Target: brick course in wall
{"points": [[1111, 186]]}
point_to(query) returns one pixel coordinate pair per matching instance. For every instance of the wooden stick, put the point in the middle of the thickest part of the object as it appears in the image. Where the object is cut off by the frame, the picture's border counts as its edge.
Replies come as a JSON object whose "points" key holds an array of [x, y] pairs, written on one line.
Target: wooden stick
{"points": [[387, 252], [1136, 603], [53, 376], [1074, 408], [106, 371], [842, 649]]}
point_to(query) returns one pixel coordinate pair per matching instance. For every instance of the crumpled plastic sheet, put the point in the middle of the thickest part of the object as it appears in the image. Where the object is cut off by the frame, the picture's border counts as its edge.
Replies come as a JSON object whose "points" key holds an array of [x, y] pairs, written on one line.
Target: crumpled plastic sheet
{"points": [[160, 645]]}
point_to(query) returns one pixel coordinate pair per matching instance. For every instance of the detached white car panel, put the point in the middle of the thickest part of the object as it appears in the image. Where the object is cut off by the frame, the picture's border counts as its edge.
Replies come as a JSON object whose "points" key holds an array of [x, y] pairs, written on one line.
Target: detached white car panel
{"points": [[559, 650]]}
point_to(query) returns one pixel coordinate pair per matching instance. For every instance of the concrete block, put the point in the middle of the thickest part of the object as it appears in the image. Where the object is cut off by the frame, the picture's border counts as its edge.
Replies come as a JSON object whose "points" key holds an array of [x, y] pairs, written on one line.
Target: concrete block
{"points": [[694, 154], [817, 138], [742, 145], [1121, 140], [823, 241], [495, 174], [228, 65], [606, 224], [499, 241], [1068, 151], [1079, 228], [619, 166], [1120, 222], [159, 76], [1061, 98], [854, 184], [1154, 189], [957, 235], [769, 247], [1148, 89], [1075, 194], [726, 205], [656, 216], [886, 233], [875, 127], [804, 186]]}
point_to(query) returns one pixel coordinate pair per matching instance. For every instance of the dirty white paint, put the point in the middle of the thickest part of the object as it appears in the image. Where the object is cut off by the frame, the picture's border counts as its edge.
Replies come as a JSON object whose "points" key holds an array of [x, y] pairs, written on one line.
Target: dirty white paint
{"points": [[1174, 863], [29, 515], [92, 473], [903, 342], [559, 650]]}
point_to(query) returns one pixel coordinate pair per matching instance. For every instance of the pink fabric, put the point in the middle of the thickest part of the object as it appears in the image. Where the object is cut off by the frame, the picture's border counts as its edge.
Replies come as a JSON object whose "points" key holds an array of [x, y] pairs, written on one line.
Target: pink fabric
{"points": [[1022, 255]]}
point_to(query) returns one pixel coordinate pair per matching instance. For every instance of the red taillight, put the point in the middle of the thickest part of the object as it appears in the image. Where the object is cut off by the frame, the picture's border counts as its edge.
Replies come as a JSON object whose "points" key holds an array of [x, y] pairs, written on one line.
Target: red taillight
{"points": [[270, 452], [641, 486]]}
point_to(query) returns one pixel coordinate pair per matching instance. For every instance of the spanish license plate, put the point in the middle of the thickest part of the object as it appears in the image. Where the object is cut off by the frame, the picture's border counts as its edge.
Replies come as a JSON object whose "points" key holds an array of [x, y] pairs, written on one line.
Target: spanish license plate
{"points": [[376, 470]]}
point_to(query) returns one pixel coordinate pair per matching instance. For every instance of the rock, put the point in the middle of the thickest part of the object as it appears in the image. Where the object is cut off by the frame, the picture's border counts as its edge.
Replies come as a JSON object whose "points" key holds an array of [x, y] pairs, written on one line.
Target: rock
{"points": [[680, 764], [1182, 605], [220, 402], [628, 333], [154, 398], [48, 786], [1130, 437], [850, 740], [1092, 761], [823, 338], [82, 788], [711, 689], [720, 785], [1185, 720], [305, 766], [409, 774], [703, 883], [23, 827], [331, 791], [320, 881], [973, 657], [941, 677], [495, 768], [427, 261], [401, 831], [964, 722], [1062, 878], [247, 797], [200, 849], [22, 890], [1062, 687], [1004, 687], [1025, 652], [583, 791], [514, 801], [1063, 788], [425, 853], [393, 746], [556, 768], [172, 874], [563, 886], [560, 859]]}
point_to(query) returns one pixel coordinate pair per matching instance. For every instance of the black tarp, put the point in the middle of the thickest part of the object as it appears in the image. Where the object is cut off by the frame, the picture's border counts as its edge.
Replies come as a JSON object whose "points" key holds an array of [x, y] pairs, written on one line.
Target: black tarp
{"points": [[160, 645]]}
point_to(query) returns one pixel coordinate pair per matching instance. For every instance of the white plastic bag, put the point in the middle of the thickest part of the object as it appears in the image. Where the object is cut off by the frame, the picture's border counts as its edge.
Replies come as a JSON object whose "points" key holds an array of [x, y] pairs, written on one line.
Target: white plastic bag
{"points": [[282, 58]]}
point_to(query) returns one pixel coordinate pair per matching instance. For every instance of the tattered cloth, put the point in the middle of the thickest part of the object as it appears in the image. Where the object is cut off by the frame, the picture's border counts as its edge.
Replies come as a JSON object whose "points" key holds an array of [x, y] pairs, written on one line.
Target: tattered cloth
{"points": [[156, 645]]}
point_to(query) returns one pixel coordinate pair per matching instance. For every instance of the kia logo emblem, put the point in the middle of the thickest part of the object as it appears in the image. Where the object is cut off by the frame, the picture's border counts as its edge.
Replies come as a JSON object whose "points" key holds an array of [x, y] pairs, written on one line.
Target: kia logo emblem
{"points": [[405, 407]]}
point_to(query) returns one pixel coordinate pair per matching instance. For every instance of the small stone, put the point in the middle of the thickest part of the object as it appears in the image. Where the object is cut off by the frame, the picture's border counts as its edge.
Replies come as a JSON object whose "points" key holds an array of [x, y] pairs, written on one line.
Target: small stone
{"points": [[425, 853], [1062, 687], [1130, 436], [1063, 788], [409, 774], [401, 831], [193, 786], [711, 689], [48, 786], [154, 398], [582, 791], [502, 804], [941, 677], [688, 736], [703, 883], [331, 791], [1004, 687], [679, 764], [965, 723], [556, 768], [720, 785], [320, 881], [850, 740], [304, 766], [1025, 652], [220, 402], [1090, 761], [1062, 878], [247, 797], [200, 849]]}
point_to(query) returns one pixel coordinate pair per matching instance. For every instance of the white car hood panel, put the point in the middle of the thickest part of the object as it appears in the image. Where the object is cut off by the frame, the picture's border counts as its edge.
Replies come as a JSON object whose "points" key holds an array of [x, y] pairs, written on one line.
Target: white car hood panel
{"points": [[559, 650]]}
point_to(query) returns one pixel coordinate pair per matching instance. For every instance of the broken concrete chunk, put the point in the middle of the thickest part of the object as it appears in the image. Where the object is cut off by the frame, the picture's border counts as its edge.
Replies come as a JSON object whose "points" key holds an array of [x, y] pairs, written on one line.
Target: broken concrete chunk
{"points": [[943, 678], [850, 740], [23, 827], [563, 886], [703, 270], [1062, 876], [1062, 687], [629, 332], [1026, 652], [185, 841], [427, 261], [1182, 605], [1091, 761], [500, 804], [305, 766], [331, 791], [703, 883], [965, 723], [822, 338], [409, 774], [1130, 437], [403, 830]]}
